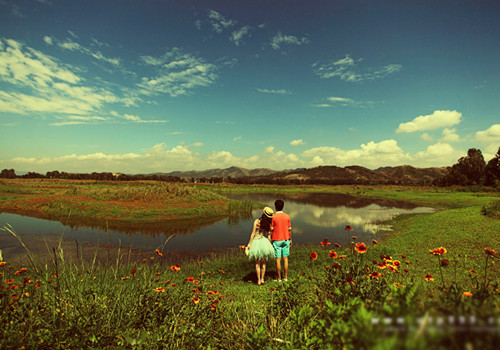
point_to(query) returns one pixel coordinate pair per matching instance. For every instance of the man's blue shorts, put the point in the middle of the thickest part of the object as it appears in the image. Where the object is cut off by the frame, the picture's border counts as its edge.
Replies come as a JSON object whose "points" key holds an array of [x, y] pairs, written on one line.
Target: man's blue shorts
{"points": [[281, 248]]}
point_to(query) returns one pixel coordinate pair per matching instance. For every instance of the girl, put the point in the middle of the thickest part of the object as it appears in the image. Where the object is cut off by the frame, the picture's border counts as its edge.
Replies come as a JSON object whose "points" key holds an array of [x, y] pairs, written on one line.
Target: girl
{"points": [[259, 247]]}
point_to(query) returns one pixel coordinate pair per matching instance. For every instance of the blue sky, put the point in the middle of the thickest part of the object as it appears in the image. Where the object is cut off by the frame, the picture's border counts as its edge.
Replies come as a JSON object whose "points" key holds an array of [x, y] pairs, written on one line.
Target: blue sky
{"points": [[158, 86]]}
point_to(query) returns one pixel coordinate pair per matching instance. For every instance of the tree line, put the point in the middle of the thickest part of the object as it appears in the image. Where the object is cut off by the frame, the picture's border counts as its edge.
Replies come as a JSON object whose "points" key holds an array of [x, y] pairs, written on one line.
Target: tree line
{"points": [[470, 170]]}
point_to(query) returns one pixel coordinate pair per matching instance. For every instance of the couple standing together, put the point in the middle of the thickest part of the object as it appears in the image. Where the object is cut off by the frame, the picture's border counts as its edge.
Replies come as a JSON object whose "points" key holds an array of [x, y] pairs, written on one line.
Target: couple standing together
{"points": [[277, 228]]}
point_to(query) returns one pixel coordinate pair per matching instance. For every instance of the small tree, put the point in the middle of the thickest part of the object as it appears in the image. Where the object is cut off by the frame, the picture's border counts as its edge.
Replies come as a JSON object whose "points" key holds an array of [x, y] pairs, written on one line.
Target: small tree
{"points": [[468, 171], [8, 174]]}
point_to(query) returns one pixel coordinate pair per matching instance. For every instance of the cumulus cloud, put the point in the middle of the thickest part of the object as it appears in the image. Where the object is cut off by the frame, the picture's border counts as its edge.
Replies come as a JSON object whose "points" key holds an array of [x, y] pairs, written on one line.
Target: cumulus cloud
{"points": [[177, 73], [297, 142], [426, 137], [439, 154], [449, 135], [490, 138], [347, 69], [438, 119], [279, 40]]}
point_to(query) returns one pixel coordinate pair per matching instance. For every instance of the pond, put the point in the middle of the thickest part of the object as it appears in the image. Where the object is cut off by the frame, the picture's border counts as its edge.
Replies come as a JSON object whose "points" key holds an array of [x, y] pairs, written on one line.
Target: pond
{"points": [[314, 217]]}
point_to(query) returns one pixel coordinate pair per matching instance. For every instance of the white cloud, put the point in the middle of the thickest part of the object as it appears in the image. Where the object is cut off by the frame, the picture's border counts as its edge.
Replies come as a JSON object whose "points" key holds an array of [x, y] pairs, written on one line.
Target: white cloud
{"points": [[277, 92], [426, 137], [346, 69], [237, 138], [297, 142], [280, 40], [219, 22], [490, 138], [449, 135], [177, 74], [438, 119], [238, 36], [439, 154]]}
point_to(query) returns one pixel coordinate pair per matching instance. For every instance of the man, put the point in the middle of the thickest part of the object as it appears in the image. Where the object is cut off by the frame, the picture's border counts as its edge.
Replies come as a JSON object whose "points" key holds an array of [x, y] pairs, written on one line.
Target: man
{"points": [[281, 238]]}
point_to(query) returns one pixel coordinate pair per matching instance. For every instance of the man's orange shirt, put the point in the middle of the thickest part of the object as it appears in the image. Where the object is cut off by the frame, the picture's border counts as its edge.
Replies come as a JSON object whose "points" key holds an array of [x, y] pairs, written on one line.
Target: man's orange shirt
{"points": [[280, 227]]}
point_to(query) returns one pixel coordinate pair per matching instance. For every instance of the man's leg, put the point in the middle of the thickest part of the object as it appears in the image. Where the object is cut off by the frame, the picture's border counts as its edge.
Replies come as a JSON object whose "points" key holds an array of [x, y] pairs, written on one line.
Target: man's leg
{"points": [[278, 268], [285, 267]]}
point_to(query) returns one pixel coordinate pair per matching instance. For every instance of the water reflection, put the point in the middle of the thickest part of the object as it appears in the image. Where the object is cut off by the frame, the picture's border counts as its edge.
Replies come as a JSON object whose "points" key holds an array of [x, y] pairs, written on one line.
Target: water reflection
{"points": [[314, 217]]}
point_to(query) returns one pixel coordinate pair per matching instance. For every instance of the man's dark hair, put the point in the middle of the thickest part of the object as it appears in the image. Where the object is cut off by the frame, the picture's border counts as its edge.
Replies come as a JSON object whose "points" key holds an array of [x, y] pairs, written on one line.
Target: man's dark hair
{"points": [[279, 204]]}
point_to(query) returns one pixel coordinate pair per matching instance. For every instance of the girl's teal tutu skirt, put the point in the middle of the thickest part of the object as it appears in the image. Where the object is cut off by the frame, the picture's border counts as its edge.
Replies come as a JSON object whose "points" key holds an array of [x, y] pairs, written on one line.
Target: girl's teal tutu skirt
{"points": [[260, 248]]}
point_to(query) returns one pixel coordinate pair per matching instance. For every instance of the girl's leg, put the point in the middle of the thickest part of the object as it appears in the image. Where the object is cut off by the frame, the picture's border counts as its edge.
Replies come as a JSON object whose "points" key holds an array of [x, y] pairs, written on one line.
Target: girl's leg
{"points": [[257, 270], [262, 271]]}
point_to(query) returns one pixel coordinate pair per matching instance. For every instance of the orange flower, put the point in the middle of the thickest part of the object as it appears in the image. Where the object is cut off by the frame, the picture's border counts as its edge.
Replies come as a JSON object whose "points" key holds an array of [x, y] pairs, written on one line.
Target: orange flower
{"points": [[332, 254], [242, 247], [349, 228], [325, 242], [375, 274], [374, 241], [337, 245], [489, 251], [212, 292], [403, 256], [9, 281], [14, 287], [472, 271], [132, 272], [190, 279], [392, 267], [438, 251], [313, 255], [381, 265], [467, 294], [21, 271], [213, 307], [342, 257], [2, 263], [173, 285], [175, 268], [361, 248], [196, 300], [396, 263], [349, 281], [222, 271], [158, 252], [354, 237], [159, 290], [428, 277], [125, 278]]}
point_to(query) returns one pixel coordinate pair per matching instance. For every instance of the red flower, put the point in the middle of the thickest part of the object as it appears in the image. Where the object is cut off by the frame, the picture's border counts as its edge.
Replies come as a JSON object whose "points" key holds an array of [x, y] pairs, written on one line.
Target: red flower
{"points": [[438, 251], [190, 279], [472, 271], [489, 251], [173, 285], [467, 294], [313, 255], [428, 277], [158, 252], [374, 241], [196, 300], [132, 272], [159, 290], [2, 263], [332, 254], [213, 307], [349, 281], [325, 242], [21, 271], [361, 248], [9, 281], [396, 263], [337, 245], [375, 274], [175, 267], [349, 228], [381, 265], [354, 237], [335, 265], [403, 256], [241, 247]]}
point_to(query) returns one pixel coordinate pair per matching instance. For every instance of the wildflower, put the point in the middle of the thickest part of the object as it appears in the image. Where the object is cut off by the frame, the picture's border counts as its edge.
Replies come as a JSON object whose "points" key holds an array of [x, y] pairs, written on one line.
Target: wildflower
{"points": [[354, 237], [374, 241], [2, 263], [213, 307], [313, 255], [221, 283], [273, 289], [361, 248], [159, 290], [125, 278], [156, 279], [212, 292], [445, 262], [195, 290], [21, 271], [392, 268], [375, 275], [222, 271], [342, 257], [403, 256], [132, 272], [158, 252], [348, 228], [9, 281], [472, 271], [332, 254], [438, 251], [428, 277], [174, 285], [407, 270], [337, 245], [196, 300], [144, 260], [14, 287], [349, 281], [396, 263], [398, 285], [325, 242], [467, 294], [381, 265], [167, 282], [335, 265], [489, 251], [190, 279], [241, 247], [175, 267]]}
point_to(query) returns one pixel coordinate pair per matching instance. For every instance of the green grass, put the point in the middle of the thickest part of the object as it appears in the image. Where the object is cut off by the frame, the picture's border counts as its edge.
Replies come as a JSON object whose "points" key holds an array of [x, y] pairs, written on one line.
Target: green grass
{"points": [[85, 304]]}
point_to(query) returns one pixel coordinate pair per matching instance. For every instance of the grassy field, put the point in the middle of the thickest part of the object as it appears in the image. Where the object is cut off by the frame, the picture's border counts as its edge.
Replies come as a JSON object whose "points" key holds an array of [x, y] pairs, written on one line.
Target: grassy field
{"points": [[394, 294]]}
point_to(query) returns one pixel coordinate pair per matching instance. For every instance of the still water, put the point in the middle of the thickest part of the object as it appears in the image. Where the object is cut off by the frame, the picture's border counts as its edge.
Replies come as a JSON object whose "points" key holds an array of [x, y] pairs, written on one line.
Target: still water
{"points": [[314, 217]]}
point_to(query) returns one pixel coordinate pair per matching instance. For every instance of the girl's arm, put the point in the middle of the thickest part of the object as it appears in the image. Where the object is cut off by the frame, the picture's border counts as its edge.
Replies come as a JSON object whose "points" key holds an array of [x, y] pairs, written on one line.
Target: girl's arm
{"points": [[254, 230]]}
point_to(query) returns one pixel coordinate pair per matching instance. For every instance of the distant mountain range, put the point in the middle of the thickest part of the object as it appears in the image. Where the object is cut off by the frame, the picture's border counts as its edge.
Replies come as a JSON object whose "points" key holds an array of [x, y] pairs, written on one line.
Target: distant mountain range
{"points": [[403, 175]]}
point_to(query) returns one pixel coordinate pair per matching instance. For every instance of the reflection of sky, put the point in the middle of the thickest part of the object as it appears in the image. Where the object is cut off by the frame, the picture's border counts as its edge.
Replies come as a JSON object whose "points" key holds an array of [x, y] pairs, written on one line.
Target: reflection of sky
{"points": [[310, 224]]}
